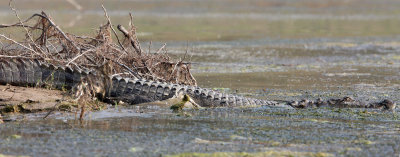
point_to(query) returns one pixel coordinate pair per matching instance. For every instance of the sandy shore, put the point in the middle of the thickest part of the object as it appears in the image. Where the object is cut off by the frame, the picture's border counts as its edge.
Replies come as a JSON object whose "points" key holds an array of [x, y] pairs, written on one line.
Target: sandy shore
{"points": [[13, 98]]}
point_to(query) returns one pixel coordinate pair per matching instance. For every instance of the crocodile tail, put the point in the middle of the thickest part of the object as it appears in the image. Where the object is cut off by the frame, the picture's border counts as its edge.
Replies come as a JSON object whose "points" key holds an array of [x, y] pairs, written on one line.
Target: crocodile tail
{"points": [[136, 91], [212, 98]]}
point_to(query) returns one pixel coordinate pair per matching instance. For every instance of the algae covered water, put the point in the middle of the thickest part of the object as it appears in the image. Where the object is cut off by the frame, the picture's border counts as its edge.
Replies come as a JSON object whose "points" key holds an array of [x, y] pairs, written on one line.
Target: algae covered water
{"points": [[253, 132], [277, 50]]}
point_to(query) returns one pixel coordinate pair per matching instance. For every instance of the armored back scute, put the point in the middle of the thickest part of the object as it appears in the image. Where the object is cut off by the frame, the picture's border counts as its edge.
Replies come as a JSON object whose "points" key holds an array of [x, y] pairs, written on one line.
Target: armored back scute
{"points": [[31, 72]]}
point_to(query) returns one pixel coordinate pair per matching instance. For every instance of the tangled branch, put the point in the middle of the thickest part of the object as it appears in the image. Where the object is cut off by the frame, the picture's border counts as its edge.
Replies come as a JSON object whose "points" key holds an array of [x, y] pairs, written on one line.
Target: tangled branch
{"points": [[45, 40]]}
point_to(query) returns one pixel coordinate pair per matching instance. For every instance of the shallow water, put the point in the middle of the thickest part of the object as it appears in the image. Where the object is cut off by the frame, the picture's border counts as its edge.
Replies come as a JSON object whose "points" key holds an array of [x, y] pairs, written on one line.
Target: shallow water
{"points": [[279, 50], [157, 132]]}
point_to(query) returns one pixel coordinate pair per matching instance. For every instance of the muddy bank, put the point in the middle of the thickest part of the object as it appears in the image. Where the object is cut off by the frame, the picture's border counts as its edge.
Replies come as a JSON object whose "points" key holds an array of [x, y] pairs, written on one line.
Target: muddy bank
{"points": [[18, 103], [28, 99]]}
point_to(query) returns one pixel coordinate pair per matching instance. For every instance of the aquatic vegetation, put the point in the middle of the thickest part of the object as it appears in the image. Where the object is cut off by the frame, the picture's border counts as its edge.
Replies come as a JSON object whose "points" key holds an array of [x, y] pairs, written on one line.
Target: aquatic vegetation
{"points": [[179, 106], [135, 149], [15, 136]]}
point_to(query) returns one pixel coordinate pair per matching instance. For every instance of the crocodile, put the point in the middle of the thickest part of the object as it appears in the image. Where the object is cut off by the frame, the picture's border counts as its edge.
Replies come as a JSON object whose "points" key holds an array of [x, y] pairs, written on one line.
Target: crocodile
{"points": [[33, 72]]}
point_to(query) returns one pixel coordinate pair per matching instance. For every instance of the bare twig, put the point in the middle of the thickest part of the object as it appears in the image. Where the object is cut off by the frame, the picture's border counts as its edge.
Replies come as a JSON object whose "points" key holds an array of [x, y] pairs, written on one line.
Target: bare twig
{"points": [[127, 68], [5, 56], [15, 42], [54, 107], [76, 57], [57, 28], [187, 49], [96, 51], [149, 47], [133, 43], [162, 47], [115, 33], [26, 30], [17, 25], [134, 32]]}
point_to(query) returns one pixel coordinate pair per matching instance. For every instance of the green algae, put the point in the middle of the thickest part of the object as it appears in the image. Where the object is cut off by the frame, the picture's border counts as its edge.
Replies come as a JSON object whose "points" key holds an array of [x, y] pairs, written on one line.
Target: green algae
{"points": [[135, 149], [363, 141], [15, 136], [180, 105]]}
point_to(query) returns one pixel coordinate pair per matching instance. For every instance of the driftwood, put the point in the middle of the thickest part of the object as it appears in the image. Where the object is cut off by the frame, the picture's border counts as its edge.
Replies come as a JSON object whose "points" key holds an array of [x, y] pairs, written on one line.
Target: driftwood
{"points": [[45, 40]]}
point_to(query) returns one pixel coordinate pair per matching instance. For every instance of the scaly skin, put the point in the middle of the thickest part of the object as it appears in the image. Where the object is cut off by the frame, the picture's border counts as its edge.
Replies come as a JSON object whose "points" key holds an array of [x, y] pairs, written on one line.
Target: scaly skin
{"points": [[135, 90], [25, 72]]}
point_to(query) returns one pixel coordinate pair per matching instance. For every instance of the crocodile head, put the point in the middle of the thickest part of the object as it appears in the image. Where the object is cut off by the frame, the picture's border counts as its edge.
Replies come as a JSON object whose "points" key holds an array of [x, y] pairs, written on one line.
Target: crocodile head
{"points": [[387, 104]]}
